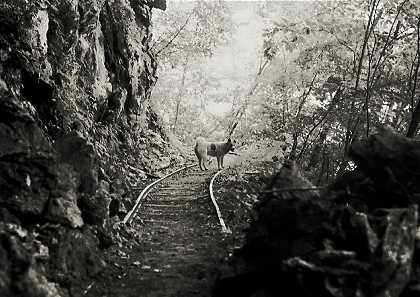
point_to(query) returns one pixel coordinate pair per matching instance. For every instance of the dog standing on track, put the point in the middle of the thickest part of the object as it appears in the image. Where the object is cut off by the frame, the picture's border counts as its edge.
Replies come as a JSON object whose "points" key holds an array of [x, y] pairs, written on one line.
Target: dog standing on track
{"points": [[203, 149]]}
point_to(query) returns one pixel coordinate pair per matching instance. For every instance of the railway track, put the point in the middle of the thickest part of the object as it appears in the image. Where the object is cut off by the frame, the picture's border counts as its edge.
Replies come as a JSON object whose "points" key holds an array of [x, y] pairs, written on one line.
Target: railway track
{"points": [[181, 243], [167, 197]]}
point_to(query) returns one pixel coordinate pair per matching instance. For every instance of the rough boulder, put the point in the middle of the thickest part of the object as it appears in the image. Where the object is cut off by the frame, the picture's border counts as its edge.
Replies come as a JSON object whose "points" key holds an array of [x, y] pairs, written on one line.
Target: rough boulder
{"points": [[359, 237]]}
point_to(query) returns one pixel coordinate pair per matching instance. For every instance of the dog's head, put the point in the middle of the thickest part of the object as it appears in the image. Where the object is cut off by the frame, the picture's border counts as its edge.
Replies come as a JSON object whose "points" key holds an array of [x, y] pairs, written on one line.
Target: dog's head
{"points": [[231, 144]]}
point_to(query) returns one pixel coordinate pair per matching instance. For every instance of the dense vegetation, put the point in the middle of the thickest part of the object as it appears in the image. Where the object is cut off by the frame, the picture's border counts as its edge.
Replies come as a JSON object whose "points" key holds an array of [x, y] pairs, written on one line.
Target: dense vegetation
{"points": [[328, 73]]}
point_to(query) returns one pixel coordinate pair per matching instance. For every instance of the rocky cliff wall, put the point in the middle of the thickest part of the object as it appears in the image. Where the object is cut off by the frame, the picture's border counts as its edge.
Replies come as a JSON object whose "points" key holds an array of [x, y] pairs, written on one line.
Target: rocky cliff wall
{"points": [[67, 57], [75, 82]]}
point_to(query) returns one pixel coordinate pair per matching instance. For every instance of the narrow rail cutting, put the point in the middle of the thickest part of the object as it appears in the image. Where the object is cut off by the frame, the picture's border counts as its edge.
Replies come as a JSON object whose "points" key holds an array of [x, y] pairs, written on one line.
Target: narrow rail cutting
{"points": [[133, 212]]}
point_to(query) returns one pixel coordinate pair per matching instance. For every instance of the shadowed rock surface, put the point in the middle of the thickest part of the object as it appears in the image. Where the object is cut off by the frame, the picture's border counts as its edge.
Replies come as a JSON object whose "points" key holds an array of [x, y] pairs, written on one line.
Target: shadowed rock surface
{"points": [[32, 182], [358, 238], [63, 64]]}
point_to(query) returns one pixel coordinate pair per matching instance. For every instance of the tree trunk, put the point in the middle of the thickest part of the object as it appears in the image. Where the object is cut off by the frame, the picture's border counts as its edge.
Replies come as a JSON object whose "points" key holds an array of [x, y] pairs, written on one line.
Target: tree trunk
{"points": [[179, 97], [365, 42], [294, 147], [415, 120], [241, 111], [369, 29], [317, 149], [324, 168], [415, 116], [337, 95]]}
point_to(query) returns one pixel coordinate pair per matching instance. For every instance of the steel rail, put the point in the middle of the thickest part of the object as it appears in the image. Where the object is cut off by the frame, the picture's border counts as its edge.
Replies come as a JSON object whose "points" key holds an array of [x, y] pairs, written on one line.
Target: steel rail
{"points": [[225, 229], [131, 214]]}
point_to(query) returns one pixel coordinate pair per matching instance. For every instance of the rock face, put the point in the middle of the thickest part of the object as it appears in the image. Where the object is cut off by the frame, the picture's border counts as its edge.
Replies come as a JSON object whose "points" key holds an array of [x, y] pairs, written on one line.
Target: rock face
{"points": [[75, 151], [74, 256], [66, 57], [392, 164], [32, 184], [358, 238], [65, 66], [19, 274]]}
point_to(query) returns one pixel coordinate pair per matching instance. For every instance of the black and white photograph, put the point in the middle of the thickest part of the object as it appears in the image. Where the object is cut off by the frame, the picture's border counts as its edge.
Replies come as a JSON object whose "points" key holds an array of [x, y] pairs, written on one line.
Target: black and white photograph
{"points": [[209, 148]]}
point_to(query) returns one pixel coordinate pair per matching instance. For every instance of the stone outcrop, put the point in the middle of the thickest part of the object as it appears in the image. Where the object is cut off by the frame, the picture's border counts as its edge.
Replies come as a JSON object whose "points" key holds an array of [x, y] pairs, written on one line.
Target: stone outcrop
{"points": [[73, 149], [391, 163], [32, 182], [65, 66], [67, 57], [19, 274], [74, 257], [357, 238]]}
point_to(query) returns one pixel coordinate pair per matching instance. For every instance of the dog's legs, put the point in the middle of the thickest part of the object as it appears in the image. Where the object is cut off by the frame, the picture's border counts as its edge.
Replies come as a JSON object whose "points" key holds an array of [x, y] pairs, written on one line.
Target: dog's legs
{"points": [[204, 162], [221, 161], [199, 163], [218, 162]]}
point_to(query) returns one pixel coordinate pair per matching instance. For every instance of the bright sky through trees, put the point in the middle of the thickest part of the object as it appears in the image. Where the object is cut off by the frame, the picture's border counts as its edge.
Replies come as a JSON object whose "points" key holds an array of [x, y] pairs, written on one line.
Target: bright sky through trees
{"points": [[234, 64]]}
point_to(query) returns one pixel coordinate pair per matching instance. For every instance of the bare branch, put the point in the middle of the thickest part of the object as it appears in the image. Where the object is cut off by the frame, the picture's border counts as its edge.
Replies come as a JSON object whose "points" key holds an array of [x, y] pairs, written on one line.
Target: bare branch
{"points": [[175, 35], [321, 120]]}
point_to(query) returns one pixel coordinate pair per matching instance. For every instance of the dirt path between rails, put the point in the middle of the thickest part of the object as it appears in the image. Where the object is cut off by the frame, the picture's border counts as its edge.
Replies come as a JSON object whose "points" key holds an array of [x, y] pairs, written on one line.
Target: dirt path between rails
{"points": [[182, 249]]}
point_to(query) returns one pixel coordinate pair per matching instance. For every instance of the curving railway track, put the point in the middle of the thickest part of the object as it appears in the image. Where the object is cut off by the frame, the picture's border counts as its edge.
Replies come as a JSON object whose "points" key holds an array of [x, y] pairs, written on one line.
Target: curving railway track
{"points": [[170, 196], [183, 240]]}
